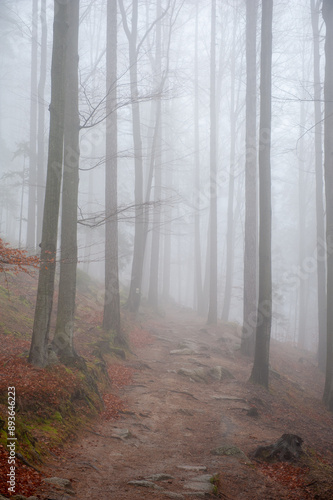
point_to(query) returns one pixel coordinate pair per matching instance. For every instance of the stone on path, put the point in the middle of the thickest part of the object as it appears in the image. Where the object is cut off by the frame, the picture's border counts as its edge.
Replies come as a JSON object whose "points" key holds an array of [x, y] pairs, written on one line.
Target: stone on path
{"points": [[160, 477], [145, 484], [194, 468], [200, 484], [59, 482]]}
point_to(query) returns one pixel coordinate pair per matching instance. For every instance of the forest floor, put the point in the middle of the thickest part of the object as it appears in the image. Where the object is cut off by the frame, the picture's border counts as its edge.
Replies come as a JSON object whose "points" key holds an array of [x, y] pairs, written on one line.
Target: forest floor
{"points": [[185, 434], [181, 419]]}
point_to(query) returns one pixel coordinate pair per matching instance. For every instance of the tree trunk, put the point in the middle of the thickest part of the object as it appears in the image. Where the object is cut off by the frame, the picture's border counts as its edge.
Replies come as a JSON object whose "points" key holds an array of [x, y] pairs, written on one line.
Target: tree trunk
{"points": [[212, 312], [31, 226], [250, 248], [155, 248], [41, 124], [199, 302], [63, 339], [230, 216], [134, 297], [260, 370], [320, 213], [328, 163], [44, 301], [111, 317]]}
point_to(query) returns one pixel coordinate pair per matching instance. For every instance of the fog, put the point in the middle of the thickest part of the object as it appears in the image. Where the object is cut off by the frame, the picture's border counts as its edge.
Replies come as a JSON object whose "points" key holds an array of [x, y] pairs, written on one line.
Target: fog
{"points": [[183, 156]]}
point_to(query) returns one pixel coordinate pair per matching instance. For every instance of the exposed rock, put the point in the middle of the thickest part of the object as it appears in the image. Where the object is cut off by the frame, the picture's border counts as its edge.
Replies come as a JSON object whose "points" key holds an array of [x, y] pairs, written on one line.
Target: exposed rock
{"points": [[194, 468], [220, 373], [145, 484], [202, 374], [200, 483], [59, 482], [287, 449], [171, 494], [122, 434], [181, 352], [160, 477], [229, 451]]}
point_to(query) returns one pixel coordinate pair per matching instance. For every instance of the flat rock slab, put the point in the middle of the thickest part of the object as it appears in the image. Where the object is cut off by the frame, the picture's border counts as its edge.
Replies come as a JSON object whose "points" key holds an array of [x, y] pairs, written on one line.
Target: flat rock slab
{"points": [[181, 352], [58, 482], [200, 483], [145, 484], [160, 477], [192, 468], [206, 374]]}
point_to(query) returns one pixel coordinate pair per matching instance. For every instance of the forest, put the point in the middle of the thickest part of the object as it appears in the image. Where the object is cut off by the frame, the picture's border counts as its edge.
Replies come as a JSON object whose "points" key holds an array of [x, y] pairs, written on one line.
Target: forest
{"points": [[166, 249]]}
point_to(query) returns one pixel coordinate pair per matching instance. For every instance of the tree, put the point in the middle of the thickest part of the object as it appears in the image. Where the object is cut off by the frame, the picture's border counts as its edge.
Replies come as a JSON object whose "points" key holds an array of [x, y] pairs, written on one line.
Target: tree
{"points": [[15, 260], [31, 227], [260, 369], [111, 316], [320, 217], [199, 302], [155, 248], [134, 296], [41, 123], [63, 338], [328, 165], [250, 240], [45, 290], [212, 312]]}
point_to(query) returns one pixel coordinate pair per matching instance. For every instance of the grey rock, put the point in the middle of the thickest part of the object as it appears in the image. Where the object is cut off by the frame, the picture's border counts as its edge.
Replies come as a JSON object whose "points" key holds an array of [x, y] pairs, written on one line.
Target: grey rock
{"points": [[145, 484], [194, 468], [160, 477], [181, 352], [230, 451], [171, 494], [58, 481], [220, 373]]}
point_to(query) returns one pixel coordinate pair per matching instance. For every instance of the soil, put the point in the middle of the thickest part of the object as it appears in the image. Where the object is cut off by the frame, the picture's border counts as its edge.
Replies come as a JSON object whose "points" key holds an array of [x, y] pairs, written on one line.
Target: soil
{"points": [[173, 421]]}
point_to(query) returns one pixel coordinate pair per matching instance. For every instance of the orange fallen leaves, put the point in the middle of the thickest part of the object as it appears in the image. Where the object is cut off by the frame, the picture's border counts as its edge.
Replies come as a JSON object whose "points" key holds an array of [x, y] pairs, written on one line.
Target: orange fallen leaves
{"points": [[287, 474], [139, 337], [16, 260], [26, 479]]}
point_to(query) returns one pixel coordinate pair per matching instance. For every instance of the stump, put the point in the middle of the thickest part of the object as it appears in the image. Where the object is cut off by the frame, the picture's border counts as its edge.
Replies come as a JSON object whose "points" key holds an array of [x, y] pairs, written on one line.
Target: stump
{"points": [[287, 449]]}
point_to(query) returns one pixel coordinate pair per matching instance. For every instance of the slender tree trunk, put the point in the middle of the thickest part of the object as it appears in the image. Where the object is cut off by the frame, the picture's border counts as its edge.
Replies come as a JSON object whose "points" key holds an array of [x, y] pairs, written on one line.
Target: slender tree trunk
{"points": [[302, 231], [111, 318], [44, 301], [31, 227], [41, 124], [320, 214], [212, 312], [230, 222], [134, 297], [260, 370], [250, 248], [199, 303], [328, 152], [63, 339], [155, 248]]}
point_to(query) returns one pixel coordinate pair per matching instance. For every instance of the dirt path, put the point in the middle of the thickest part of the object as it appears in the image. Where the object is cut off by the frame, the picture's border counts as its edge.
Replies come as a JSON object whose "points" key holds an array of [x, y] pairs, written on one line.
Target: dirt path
{"points": [[178, 412]]}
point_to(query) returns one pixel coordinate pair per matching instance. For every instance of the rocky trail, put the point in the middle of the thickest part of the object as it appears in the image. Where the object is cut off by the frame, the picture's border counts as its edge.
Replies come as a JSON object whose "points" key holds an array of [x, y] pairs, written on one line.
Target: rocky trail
{"points": [[190, 424]]}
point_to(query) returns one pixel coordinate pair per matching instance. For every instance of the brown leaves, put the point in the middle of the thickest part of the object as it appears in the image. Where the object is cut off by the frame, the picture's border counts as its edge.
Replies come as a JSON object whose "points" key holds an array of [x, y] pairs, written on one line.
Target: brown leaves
{"points": [[26, 479], [16, 260]]}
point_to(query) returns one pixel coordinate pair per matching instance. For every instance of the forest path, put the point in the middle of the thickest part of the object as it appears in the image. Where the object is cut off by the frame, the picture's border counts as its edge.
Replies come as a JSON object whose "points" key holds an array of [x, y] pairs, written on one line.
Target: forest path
{"points": [[178, 411]]}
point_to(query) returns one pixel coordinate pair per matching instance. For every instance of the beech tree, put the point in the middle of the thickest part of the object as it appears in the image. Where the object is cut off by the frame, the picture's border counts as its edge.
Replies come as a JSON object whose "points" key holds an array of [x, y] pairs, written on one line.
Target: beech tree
{"points": [[63, 339], [250, 226], [320, 214], [44, 301], [212, 312], [328, 164], [260, 369], [111, 316]]}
